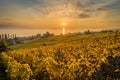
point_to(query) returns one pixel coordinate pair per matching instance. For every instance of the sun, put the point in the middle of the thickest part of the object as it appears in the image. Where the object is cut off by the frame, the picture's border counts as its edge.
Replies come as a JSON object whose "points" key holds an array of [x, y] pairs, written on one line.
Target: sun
{"points": [[63, 23]]}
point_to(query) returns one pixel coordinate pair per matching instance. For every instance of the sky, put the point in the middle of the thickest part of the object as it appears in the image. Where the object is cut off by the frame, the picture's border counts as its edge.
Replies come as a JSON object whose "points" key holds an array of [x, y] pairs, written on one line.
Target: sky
{"points": [[28, 17]]}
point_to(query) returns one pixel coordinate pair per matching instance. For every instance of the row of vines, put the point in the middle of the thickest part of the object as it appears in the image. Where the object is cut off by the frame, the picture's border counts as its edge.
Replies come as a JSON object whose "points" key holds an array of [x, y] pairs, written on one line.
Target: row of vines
{"points": [[91, 58]]}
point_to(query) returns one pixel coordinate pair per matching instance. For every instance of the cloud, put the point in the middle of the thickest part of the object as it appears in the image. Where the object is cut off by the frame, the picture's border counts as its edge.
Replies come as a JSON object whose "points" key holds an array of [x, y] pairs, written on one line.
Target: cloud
{"points": [[83, 16], [7, 19], [62, 10], [9, 23], [72, 8], [4, 25], [102, 9]]}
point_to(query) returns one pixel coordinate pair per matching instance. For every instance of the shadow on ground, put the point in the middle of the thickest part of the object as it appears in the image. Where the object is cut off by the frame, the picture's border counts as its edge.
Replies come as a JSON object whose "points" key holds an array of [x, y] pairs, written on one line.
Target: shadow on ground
{"points": [[109, 70]]}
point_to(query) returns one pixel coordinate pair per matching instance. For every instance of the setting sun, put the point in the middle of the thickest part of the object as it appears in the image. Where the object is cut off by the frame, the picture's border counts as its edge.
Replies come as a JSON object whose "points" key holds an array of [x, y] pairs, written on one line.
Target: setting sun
{"points": [[63, 23]]}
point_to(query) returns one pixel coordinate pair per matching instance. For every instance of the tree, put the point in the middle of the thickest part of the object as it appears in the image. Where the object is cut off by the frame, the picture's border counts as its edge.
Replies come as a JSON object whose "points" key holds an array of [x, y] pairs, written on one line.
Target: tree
{"points": [[0, 36], [15, 36], [3, 45], [12, 36], [6, 37], [38, 35], [87, 32]]}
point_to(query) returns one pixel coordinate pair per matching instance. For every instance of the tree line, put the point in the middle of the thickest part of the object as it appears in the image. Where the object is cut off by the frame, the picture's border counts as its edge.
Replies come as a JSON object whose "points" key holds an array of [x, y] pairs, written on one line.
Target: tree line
{"points": [[4, 38], [7, 36]]}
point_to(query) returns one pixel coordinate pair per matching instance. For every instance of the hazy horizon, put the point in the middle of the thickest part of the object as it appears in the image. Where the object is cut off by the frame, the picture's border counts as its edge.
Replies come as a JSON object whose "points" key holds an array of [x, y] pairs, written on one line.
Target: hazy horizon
{"points": [[30, 32]]}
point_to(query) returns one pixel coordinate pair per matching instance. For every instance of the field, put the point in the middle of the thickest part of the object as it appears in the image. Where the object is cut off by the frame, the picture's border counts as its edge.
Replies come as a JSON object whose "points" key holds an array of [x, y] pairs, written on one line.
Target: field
{"points": [[53, 40], [65, 57]]}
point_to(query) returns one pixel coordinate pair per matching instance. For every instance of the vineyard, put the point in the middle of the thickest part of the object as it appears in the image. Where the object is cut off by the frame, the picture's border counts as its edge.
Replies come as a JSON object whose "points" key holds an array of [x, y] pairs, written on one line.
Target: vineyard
{"points": [[92, 57]]}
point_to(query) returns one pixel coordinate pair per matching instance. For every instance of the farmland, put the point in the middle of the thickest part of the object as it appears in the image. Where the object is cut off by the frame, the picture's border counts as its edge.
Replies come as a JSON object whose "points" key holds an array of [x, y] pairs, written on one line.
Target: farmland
{"points": [[65, 57]]}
